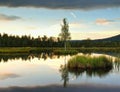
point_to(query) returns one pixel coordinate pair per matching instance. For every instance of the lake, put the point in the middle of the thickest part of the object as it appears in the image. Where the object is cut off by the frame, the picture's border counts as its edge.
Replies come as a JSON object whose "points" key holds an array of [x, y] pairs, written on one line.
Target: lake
{"points": [[24, 70]]}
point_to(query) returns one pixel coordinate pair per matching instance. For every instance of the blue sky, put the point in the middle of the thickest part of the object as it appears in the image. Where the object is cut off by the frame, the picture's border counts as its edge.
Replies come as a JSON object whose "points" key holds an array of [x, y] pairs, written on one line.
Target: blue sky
{"points": [[95, 19]]}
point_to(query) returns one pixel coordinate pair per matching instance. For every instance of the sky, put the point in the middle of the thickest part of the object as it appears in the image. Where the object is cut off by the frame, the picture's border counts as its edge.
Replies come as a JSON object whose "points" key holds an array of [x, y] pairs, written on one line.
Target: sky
{"points": [[94, 19]]}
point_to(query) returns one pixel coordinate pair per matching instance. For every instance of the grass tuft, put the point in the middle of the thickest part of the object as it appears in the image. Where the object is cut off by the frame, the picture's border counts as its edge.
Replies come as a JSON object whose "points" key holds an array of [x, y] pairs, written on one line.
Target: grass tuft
{"points": [[88, 62]]}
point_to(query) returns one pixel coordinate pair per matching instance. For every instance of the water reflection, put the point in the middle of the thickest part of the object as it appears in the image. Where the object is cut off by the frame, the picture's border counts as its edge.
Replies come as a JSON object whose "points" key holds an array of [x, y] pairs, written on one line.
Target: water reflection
{"points": [[55, 69], [78, 72], [117, 63], [58, 88], [27, 56], [65, 71], [8, 75]]}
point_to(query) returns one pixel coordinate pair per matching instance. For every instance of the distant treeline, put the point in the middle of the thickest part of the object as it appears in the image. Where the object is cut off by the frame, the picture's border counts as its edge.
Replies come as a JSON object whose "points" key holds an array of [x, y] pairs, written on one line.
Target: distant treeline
{"points": [[28, 41], [94, 43]]}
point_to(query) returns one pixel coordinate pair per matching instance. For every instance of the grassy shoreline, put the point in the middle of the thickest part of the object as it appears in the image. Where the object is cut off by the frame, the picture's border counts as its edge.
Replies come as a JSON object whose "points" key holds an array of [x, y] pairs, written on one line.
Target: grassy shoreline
{"points": [[57, 50]]}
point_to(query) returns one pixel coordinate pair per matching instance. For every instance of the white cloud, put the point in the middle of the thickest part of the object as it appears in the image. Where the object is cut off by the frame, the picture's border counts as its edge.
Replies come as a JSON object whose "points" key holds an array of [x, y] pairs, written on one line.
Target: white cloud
{"points": [[77, 25], [93, 35], [103, 22], [73, 14], [4, 17]]}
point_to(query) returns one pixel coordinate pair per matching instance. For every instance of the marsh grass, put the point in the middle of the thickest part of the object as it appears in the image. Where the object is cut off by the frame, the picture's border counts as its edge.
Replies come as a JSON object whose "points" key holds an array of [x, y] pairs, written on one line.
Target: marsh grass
{"points": [[24, 50], [57, 50], [63, 52], [14, 49], [99, 49], [88, 62]]}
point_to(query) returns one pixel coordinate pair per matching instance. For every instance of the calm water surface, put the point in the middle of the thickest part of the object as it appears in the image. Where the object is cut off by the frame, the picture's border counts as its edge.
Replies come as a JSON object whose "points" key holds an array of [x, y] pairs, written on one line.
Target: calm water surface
{"points": [[44, 69]]}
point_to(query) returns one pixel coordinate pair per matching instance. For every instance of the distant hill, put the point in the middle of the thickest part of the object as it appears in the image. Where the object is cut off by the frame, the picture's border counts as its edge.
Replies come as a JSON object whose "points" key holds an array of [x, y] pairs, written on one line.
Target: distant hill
{"points": [[113, 41], [113, 38]]}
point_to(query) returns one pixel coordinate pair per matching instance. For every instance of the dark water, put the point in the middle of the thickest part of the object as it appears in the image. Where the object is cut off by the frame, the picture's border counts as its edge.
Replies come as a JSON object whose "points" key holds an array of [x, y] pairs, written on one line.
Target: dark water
{"points": [[41, 71]]}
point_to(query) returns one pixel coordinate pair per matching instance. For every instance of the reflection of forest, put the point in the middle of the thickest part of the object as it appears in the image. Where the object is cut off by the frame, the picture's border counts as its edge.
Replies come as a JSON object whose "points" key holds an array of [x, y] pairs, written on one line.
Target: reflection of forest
{"points": [[25, 56]]}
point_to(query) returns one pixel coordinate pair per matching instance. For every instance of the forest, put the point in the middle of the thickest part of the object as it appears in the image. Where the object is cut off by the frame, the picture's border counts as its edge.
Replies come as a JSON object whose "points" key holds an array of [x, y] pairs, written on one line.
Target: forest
{"points": [[28, 41]]}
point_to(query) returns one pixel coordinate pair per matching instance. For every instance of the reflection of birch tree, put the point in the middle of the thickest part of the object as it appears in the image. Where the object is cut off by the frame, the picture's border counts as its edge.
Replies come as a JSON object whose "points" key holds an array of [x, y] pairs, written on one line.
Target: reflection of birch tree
{"points": [[117, 63], [64, 73]]}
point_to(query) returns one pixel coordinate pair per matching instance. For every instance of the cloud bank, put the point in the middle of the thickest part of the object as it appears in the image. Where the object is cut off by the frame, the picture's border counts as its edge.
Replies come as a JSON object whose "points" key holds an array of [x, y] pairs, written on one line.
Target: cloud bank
{"points": [[4, 17], [62, 4]]}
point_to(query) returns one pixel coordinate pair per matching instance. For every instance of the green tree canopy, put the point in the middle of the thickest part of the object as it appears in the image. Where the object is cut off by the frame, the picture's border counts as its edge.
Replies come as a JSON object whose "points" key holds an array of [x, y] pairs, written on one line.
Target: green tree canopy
{"points": [[65, 35]]}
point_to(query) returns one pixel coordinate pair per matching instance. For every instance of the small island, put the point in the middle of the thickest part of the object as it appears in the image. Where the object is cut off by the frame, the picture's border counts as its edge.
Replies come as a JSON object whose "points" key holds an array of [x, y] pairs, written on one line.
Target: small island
{"points": [[89, 62]]}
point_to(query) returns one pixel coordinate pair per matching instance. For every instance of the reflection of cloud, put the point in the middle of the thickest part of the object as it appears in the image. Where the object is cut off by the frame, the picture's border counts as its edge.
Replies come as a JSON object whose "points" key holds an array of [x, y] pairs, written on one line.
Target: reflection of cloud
{"points": [[62, 4], [83, 87], [8, 75], [8, 18], [117, 18], [104, 21]]}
